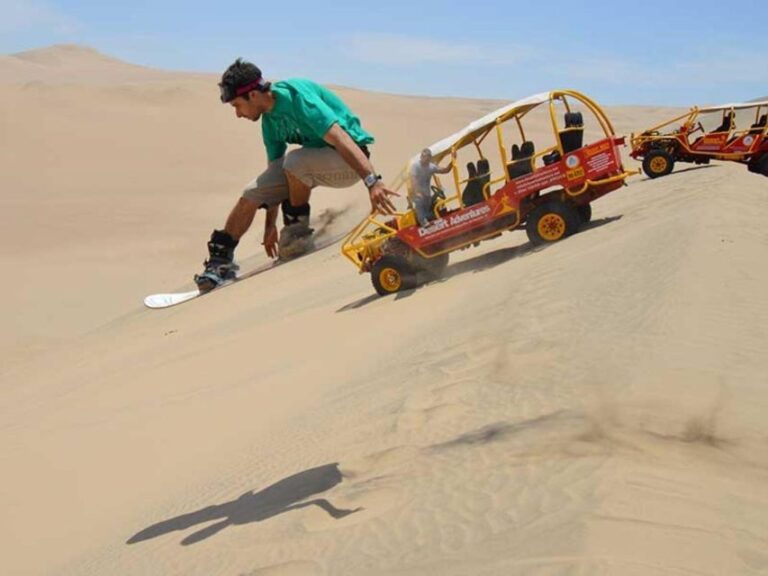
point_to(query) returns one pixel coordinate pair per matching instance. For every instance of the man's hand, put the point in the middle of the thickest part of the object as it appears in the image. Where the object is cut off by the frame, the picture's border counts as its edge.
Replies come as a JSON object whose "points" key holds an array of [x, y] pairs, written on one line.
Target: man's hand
{"points": [[380, 202], [270, 240]]}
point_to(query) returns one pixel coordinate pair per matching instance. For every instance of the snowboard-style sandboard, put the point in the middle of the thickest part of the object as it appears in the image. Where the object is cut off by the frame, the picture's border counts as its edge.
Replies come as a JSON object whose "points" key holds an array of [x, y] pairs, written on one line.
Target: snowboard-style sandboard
{"points": [[174, 298]]}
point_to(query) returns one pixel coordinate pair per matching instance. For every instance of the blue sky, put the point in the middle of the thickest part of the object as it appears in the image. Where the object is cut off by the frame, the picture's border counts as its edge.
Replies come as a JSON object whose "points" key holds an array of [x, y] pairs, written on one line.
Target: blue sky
{"points": [[652, 52]]}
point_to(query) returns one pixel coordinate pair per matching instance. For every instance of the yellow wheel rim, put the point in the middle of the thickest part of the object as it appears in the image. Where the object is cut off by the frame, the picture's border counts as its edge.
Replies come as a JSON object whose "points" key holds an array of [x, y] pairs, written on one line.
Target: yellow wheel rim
{"points": [[390, 279], [551, 227], [658, 164]]}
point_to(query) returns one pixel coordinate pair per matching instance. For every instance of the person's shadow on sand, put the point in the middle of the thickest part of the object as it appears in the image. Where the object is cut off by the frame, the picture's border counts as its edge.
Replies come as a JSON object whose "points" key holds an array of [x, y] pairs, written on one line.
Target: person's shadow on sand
{"points": [[280, 497]]}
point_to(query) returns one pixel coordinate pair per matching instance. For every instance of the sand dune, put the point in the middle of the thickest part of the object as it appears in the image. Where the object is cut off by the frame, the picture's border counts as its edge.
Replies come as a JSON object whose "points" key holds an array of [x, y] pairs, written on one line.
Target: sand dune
{"points": [[72, 64], [594, 407]]}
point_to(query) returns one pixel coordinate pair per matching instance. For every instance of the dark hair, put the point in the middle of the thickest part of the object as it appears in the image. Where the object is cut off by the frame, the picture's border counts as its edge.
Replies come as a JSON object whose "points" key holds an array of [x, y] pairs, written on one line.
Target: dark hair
{"points": [[239, 74]]}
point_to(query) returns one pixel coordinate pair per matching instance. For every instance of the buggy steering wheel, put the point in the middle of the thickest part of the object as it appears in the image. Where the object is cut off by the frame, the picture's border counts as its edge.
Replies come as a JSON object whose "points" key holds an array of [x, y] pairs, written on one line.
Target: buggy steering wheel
{"points": [[437, 192]]}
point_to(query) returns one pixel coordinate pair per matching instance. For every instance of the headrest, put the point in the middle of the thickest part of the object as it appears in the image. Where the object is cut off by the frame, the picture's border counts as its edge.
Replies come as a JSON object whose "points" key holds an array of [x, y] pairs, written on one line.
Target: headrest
{"points": [[574, 120], [527, 149]]}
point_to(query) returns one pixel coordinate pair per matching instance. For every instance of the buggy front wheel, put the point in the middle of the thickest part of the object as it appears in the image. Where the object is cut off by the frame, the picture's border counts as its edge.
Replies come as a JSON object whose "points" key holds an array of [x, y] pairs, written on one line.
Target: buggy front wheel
{"points": [[658, 163], [391, 274]]}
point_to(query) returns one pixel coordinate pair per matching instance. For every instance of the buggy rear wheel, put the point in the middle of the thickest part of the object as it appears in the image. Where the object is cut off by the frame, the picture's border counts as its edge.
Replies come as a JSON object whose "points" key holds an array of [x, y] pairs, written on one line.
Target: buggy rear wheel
{"points": [[392, 273], [432, 267], [552, 221], [658, 163], [759, 166], [585, 213]]}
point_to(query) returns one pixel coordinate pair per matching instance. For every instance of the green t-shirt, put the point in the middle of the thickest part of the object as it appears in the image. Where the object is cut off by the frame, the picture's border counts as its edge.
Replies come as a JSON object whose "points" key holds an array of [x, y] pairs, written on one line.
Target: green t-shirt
{"points": [[303, 112]]}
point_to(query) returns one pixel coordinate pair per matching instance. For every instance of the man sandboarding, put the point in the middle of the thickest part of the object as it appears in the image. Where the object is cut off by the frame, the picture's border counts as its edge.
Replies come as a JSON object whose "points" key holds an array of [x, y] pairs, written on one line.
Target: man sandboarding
{"points": [[334, 152]]}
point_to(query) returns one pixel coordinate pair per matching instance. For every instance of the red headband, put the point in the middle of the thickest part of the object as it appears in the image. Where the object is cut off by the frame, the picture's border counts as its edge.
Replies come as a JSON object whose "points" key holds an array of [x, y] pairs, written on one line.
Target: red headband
{"points": [[255, 85]]}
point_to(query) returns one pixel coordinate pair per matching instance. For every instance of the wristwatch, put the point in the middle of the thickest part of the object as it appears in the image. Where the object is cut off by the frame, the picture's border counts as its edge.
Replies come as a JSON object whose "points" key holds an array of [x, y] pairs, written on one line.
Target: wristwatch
{"points": [[371, 179]]}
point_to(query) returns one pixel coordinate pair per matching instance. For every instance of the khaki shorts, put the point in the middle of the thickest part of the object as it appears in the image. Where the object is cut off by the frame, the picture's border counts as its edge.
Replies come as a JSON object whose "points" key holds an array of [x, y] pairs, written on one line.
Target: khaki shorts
{"points": [[313, 166]]}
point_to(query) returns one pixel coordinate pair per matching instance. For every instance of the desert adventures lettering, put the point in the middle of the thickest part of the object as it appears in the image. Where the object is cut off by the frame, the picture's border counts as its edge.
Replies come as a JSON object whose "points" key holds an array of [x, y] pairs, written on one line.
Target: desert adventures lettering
{"points": [[455, 220]]}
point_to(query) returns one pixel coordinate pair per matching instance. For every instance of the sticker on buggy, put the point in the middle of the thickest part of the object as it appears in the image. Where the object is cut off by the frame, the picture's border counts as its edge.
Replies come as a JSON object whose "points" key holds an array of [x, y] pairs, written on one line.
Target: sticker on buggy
{"points": [[576, 174]]}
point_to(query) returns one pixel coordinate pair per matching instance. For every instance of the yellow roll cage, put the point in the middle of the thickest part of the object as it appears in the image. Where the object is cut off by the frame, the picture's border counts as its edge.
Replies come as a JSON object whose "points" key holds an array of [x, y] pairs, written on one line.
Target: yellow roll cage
{"points": [[690, 118]]}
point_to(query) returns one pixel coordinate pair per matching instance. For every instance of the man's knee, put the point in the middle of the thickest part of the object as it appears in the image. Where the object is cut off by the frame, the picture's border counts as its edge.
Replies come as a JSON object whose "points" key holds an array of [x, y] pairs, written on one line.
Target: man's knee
{"points": [[296, 169], [265, 196], [246, 204], [296, 181], [269, 188], [298, 190]]}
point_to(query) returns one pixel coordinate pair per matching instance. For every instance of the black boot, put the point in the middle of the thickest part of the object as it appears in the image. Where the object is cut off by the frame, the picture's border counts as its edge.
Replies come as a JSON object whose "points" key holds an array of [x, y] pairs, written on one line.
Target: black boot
{"points": [[295, 214], [296, 235], [220, 265]]}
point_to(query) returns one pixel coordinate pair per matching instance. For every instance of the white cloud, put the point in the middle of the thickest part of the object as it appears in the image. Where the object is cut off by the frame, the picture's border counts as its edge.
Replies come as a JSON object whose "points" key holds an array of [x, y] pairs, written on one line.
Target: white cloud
{"points": [[395, 50], [605, 69], [407, 51], [735, 67], [422, 64], [728, 67], [32, 15]]}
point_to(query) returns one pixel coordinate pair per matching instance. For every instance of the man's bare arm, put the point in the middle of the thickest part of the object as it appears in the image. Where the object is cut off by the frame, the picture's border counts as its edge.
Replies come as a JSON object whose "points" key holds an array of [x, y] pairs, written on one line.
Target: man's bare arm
{"points": [[270, 231], [271, 216], [352, 155]]}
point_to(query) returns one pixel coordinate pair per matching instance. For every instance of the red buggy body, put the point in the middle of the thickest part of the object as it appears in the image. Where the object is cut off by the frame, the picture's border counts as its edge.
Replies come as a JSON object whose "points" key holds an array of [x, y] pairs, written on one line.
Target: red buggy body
{"points": [[731, 132]]}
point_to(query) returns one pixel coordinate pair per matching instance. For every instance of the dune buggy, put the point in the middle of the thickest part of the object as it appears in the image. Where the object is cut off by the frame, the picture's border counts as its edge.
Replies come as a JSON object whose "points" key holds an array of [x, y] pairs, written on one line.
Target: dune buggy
{"points": [[735, 132], [548, 191]]}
